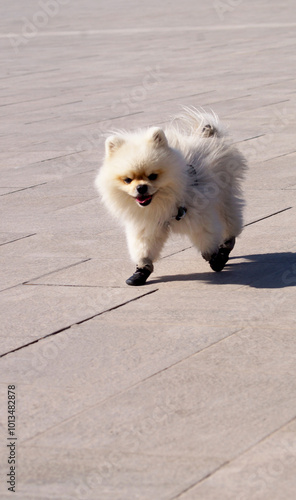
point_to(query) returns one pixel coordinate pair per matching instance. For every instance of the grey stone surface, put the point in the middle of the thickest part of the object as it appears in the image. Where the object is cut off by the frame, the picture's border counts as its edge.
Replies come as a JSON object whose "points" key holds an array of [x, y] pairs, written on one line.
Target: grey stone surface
{"points": [[30, 313], [183, 388], [264, 471]]}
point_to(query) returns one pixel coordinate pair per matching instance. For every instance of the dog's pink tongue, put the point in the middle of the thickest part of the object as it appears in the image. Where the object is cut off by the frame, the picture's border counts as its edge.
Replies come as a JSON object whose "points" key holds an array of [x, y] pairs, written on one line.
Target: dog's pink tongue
{"points": [[142, 199]]}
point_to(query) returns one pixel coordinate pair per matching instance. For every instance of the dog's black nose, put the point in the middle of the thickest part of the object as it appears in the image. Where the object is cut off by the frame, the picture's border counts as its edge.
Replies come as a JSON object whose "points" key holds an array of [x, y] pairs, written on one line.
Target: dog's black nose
{"points": [[142, 188]]}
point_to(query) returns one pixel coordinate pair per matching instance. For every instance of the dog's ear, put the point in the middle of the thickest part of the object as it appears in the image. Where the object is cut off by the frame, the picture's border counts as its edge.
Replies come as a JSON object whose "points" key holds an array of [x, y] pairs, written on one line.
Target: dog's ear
{"points": [[157, 136], [113, 143]]}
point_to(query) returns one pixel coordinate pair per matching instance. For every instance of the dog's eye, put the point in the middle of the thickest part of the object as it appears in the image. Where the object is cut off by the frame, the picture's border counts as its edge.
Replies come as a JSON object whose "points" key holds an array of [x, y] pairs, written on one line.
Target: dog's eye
{"points": [[152, 177], [127, 180]]}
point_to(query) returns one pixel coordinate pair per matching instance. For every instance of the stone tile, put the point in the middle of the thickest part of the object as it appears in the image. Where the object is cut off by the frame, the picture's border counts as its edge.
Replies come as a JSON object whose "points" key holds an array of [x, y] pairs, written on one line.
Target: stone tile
{"points": [[29, 267], [274, 174], [194, 409], [81, 246], [262, 203], [75, 215], [114, 354], [29, 313], [6, 238], [265, 471]]}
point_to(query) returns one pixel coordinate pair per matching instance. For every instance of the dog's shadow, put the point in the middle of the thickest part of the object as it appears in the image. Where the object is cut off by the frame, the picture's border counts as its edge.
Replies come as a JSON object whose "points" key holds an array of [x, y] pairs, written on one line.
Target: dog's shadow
{"points": [[272, 270]]}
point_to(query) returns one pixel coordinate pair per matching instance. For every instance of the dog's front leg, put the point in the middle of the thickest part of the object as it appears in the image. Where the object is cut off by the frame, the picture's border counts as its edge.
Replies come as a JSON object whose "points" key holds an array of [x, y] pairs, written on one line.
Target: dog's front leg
{"points": [[144, 248]]}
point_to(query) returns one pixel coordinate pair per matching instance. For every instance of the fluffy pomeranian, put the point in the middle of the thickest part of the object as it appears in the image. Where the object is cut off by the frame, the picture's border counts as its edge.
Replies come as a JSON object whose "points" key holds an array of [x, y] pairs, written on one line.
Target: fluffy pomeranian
{"points": [[185, 178]]}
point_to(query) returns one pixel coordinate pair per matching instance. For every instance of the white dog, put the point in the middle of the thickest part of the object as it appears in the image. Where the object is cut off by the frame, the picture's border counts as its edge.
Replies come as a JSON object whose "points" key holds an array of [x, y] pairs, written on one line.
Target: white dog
{"points": [[184, 179]]}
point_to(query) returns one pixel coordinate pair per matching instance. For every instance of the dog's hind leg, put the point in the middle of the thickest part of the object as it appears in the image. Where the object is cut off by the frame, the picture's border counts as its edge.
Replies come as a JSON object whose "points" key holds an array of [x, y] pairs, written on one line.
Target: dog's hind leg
{"points": [[208, 243], [218, 260]]}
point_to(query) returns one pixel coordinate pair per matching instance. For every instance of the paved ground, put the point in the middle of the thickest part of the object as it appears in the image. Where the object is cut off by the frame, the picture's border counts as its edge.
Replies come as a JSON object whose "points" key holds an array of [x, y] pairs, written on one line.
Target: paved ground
{"points": [[185, 388]]}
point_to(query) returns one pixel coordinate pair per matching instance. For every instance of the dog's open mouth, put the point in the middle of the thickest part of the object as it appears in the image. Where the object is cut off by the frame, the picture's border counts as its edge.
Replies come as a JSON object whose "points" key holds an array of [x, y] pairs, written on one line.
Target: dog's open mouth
{"points": [[144, 200]]}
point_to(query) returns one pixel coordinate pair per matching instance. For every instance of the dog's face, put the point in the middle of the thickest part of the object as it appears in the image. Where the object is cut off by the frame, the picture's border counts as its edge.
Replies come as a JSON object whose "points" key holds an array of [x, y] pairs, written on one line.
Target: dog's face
{"points": [[142, 178], [139, 166], [141, 186]]}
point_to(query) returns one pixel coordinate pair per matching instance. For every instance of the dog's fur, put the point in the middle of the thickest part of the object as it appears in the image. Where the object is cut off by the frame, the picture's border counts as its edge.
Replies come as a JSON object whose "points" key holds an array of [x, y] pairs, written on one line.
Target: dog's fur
{"points": [[196, 167]]}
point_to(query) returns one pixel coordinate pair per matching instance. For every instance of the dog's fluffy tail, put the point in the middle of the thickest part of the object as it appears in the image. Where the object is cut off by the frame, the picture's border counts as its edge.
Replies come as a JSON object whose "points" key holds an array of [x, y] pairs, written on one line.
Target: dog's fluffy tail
{"points": [[201, 123]]}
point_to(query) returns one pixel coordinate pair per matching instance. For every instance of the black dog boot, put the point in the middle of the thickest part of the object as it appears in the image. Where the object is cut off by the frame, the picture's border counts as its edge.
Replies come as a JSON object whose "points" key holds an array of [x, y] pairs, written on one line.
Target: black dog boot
{"points": [[139, 277], [219, 259]]}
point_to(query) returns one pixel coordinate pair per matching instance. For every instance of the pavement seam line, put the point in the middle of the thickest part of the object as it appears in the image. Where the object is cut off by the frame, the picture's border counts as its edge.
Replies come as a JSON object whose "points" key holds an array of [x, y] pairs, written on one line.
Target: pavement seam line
{"points": [[267, 216], [116, 307], [175, 253], [133, 386], [227, 462], [196, 353], [78, 323], [24, 189], [18, 239], [53, 158], [280, 156], [28, 282]]}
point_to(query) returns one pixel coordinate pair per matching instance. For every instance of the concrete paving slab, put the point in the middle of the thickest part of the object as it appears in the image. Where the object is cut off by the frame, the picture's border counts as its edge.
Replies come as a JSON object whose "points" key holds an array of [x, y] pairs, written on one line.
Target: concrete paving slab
{"points": [[62, 245], [58, 166], [276, 173], [106, 367], [38, 311], [266, 470], [28, 267], [194, 409], [267, 302], [6, 238], [263, 203], [73, 218]]}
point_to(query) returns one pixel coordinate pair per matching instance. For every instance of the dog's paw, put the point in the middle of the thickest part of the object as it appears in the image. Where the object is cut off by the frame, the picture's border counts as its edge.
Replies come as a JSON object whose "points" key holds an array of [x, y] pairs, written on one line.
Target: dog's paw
{"points": [[218, 260], [139, 278]]}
